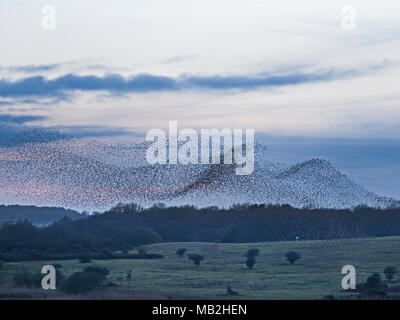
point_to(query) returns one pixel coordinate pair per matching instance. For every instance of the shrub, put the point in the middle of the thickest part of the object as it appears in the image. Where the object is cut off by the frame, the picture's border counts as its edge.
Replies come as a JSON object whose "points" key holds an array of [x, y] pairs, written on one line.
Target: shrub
{"points": [[180, 252], [97, 269], [250, 262], [196, 258], [374, 281], [81, 282], [27, 279], [252, 253], [390, 272], [292, 256]]}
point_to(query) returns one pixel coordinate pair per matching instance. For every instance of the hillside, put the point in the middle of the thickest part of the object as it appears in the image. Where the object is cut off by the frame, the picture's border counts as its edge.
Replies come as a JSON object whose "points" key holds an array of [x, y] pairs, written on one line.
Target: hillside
{"points": [[315, 275]]}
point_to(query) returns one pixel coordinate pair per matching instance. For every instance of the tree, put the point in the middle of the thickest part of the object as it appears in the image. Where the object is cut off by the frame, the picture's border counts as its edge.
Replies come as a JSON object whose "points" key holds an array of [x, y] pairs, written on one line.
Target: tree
{"points": [[196, 258], [389, 272], [252, 253], [292, 256], [250, 262], [180, 252]]}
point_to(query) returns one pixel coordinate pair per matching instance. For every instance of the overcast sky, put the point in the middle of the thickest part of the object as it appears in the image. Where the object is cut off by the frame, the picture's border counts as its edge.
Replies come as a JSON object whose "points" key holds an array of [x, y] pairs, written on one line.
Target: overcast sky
{"points": [[285, 68]]}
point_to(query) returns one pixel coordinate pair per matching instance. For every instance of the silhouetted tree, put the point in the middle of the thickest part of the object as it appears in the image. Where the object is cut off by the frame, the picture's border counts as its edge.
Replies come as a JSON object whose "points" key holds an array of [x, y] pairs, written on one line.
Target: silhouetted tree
{"points": [[196, 258], [250, 262], [292, 256], [180, 252], [252, 253]]}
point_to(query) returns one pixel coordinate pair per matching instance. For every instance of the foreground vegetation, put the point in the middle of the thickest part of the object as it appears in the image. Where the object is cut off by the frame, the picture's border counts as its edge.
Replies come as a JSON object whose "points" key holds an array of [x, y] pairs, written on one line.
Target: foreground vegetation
{"points": [[317, 272], [126, 227]]}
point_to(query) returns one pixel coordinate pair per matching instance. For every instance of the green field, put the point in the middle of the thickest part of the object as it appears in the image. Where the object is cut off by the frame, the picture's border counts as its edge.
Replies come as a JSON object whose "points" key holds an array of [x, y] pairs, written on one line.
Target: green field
{"points": [[317, 274]]}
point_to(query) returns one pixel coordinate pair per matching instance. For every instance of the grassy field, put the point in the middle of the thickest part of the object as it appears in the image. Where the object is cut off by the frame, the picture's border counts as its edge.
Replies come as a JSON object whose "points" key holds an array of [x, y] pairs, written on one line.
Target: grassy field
{"points": [[317, 274]]}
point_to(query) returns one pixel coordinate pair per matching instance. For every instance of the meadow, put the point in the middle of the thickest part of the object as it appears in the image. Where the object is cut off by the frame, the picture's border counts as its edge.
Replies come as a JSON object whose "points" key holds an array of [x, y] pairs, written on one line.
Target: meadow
{"points": [[315, 275]]}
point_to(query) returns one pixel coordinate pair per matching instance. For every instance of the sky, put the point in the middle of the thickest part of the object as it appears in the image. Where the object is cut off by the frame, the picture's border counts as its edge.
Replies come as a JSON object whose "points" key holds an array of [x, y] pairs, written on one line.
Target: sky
{"points": [[288, 69]]}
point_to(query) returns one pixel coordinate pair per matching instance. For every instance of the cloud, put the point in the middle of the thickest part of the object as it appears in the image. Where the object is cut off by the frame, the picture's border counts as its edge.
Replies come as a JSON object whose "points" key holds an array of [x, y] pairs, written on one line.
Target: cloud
{"points": [[62, 87], [11, 119], [33, 68]]}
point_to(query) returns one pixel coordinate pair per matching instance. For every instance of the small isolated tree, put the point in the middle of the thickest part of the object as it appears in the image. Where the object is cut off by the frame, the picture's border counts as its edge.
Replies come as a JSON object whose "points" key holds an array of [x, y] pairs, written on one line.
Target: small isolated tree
{"points": [[292, 256], [252, 253], [196, 258], [250, 262], [180, 252], [389, 272]]}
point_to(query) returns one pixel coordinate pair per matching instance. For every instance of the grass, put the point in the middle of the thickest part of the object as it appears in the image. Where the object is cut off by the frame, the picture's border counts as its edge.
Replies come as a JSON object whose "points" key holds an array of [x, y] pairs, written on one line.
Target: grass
{"points": [[316, 274]]}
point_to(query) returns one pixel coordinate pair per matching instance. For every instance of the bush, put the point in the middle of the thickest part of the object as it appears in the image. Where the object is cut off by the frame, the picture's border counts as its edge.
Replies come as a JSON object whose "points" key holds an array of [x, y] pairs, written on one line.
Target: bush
{"points": [[81, 282], [252, 253], [180, 252], [27, 279], [292, 256], [374, 281], [250, 262], [196, 258], [97, 269], [390, 272]]}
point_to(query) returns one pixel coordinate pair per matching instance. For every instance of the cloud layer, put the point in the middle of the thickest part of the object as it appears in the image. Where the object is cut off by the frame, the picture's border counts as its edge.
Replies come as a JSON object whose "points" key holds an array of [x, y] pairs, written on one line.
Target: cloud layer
{"points": [[62, 87]]}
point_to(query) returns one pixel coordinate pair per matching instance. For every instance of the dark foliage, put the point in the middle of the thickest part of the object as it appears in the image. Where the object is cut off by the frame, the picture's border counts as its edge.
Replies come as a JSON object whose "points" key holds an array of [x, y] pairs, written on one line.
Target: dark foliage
{"points": [[28, 279], [250, 262], [81, 282], [196, 258], [252, 253], [389, 272], [180, 252], [1, 264], [129, 226], [374, 281], [292, 256]]}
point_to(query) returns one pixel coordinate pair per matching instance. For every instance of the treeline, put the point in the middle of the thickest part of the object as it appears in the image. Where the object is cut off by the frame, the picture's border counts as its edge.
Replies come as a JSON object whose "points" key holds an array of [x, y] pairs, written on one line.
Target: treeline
{"points": [[37, 215], [126, 227]]}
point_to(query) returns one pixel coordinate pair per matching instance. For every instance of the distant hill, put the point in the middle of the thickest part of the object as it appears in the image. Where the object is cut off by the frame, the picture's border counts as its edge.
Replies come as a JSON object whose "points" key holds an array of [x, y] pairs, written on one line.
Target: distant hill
{"points": [[36, 215]]}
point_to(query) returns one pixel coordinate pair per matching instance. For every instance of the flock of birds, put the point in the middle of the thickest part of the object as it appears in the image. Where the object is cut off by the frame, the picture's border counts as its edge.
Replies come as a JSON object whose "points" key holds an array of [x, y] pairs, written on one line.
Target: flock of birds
{"points": [[44, 167]]}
